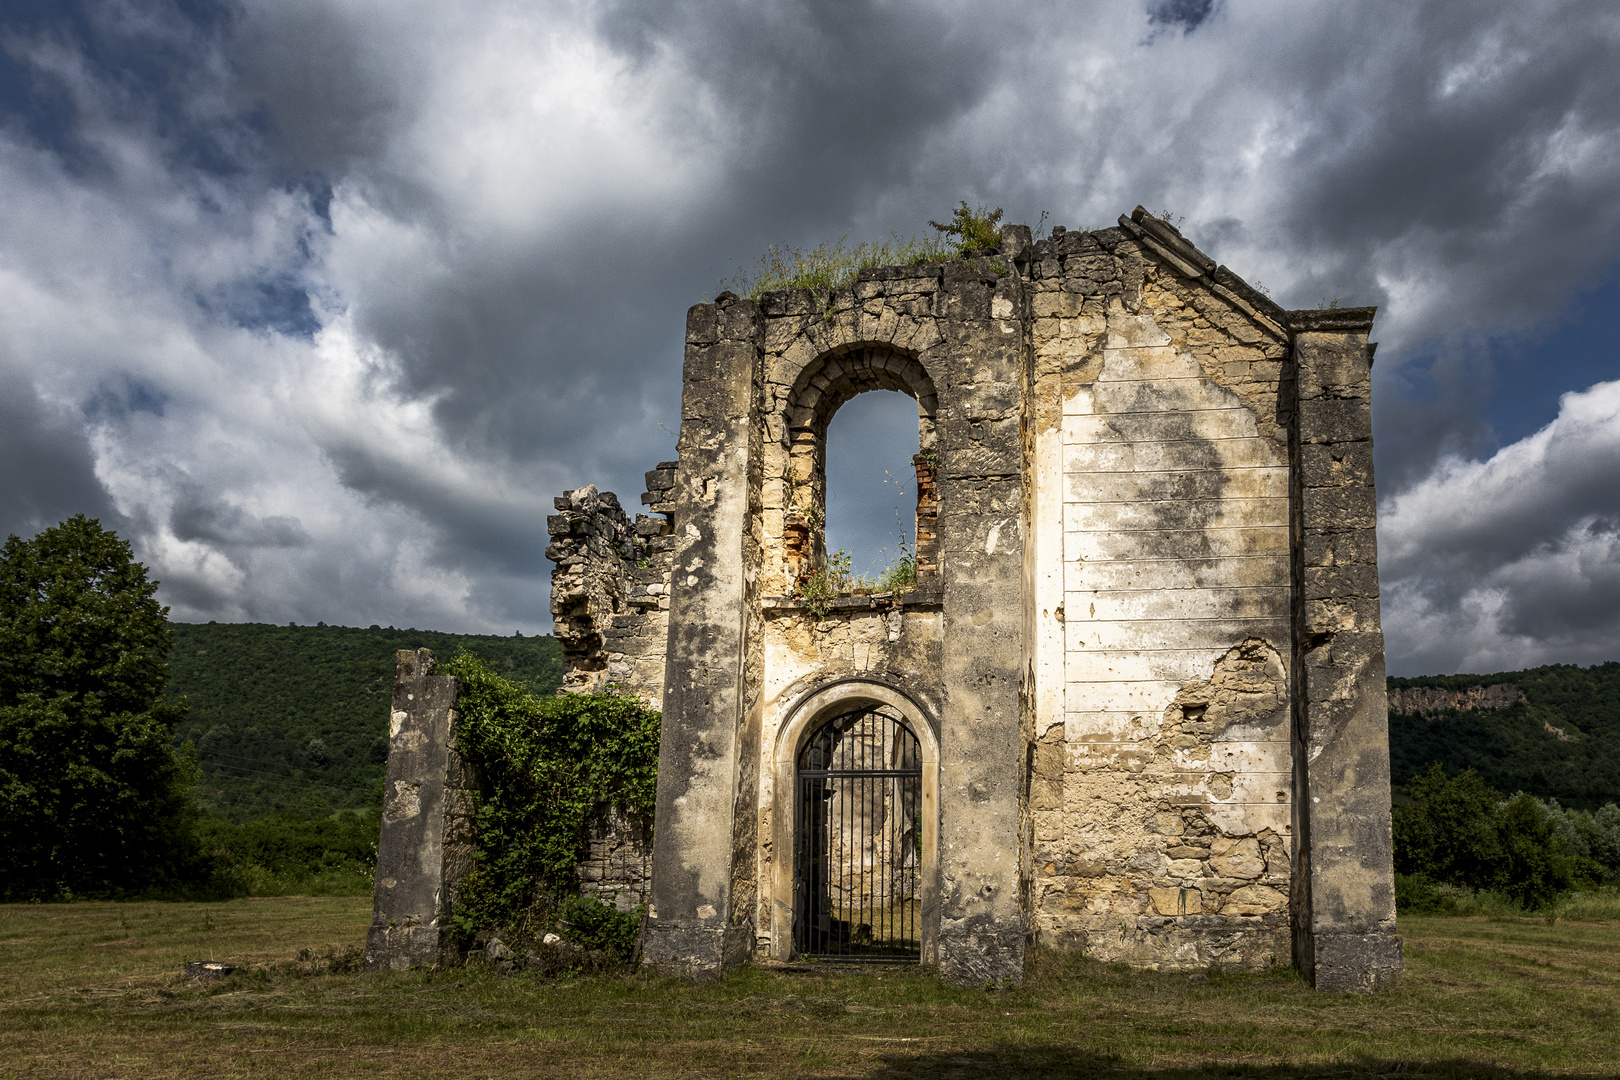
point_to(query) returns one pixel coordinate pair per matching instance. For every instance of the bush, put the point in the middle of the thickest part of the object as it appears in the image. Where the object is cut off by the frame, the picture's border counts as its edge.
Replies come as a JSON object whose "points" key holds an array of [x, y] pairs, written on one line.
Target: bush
{"points": [[1458, 832], [1415, 893], [285, 854], [974, 230], [595, 925]]}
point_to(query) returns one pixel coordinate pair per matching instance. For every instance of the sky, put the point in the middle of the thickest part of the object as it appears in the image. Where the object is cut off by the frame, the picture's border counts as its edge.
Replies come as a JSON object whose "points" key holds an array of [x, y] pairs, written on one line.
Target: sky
{"points": [[319, 303]]}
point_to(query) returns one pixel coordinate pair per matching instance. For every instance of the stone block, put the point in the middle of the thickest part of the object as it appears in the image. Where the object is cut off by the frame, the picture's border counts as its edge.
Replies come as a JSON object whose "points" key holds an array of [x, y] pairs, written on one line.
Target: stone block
{"points": [[1335, 420], [1240, 860], [1254, 900], [1176, 901]]}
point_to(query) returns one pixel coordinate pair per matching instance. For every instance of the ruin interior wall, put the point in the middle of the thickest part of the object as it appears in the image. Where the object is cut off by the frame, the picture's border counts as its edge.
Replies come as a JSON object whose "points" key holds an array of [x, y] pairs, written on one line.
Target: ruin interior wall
{"points": [[610, 612], [610, 588]]}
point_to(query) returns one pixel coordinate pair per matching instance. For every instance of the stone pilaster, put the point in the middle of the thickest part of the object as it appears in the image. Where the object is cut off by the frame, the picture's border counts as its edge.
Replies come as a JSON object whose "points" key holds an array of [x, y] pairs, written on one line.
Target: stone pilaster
{"points": [[427, 839], [981, 541], [693, 927], [1344, 901]]}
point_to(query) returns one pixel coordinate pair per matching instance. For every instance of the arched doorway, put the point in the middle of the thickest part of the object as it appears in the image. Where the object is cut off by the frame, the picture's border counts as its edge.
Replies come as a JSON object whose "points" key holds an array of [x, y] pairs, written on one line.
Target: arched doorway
{"points": [[858, 852]]}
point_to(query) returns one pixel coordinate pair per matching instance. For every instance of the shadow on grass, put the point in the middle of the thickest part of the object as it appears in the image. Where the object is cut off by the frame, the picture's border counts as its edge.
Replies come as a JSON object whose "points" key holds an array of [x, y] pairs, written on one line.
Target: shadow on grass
{"points": [[1052, 1062]]}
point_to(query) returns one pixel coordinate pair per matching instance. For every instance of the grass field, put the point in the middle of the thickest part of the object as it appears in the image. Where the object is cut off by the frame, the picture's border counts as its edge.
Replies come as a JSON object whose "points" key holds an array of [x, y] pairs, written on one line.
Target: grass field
{"points": [[95, 990]]}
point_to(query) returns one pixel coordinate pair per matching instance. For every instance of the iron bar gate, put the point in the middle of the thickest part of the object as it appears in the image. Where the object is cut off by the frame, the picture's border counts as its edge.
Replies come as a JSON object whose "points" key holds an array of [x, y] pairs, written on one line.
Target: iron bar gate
{"points": [[859, 843]]}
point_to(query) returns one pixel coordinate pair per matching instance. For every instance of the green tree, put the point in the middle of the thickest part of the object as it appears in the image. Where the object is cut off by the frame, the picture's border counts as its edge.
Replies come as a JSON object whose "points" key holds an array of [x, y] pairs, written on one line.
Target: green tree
{"points": [[94, 799], [1448, 832], [1536, 865]]}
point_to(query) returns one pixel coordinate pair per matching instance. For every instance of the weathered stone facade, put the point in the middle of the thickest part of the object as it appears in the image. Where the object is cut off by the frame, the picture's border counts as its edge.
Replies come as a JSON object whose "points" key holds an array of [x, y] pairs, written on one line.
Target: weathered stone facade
{"points": [[1143, 657]]}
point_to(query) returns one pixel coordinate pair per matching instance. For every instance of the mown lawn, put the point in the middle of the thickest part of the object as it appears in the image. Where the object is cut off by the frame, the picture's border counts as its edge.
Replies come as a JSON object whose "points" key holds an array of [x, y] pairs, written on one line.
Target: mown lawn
{"points": [[95, 990]]}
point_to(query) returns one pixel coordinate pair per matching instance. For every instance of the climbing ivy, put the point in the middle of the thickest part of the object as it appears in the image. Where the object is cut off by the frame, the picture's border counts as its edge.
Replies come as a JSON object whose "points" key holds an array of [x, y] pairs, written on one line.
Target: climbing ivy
{"points": [[547, 766]]}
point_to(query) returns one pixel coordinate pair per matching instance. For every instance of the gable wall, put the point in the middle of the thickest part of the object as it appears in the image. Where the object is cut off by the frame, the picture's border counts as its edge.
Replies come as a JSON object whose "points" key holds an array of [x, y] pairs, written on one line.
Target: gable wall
{"points": [[1160, 797]]}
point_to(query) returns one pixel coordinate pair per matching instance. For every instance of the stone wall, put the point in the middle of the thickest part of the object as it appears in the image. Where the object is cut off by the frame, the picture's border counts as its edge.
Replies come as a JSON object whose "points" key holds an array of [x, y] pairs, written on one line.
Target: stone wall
{"points": [[617, 868], [1161, 789], [610, 588]]}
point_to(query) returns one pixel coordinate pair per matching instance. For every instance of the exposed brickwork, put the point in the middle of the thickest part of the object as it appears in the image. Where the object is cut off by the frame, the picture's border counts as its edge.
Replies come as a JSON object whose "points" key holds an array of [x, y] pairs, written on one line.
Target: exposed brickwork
{"points": [[617, 869]]}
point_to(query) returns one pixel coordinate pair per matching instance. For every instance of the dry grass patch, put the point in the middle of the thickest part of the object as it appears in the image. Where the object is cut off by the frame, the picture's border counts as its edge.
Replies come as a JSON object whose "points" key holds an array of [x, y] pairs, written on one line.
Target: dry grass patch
{"points": [[94, 990]]}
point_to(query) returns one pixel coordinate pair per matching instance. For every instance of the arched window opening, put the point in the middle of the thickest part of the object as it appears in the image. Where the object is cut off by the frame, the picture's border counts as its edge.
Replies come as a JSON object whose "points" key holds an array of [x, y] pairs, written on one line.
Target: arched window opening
{"points": [[869, 489], [859, 846], [871, 500]]}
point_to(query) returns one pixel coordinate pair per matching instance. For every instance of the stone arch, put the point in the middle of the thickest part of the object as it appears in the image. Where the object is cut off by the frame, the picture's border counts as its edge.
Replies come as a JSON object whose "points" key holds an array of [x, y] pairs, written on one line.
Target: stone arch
{"points": [[805, 717], [821, 388]]}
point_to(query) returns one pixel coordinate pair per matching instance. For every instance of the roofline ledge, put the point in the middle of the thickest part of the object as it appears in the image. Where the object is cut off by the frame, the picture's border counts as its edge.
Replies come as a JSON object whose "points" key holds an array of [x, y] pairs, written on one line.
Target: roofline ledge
{"points": [[1342, 320]]}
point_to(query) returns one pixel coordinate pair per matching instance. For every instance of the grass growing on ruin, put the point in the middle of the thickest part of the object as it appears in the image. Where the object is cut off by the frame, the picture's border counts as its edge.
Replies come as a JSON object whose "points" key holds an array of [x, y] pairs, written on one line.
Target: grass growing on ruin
{"points": [[834, 265], [94, 990]]}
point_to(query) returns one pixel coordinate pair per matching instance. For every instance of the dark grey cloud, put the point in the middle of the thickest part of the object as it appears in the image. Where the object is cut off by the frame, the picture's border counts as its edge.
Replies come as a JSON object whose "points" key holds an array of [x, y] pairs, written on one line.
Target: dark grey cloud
{"points": [[197, 515], [386, 278], [49, 469]]}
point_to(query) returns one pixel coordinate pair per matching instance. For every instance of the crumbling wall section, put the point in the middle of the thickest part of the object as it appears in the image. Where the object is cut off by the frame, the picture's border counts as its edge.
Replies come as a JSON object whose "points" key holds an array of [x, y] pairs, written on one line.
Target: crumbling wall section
{"points": [[610, 610], [610, 588], [427, 840]]}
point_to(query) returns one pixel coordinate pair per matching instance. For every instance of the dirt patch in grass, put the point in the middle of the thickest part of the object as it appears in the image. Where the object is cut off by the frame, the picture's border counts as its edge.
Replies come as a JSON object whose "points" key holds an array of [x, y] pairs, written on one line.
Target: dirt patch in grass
{"points": [[96, 990]]}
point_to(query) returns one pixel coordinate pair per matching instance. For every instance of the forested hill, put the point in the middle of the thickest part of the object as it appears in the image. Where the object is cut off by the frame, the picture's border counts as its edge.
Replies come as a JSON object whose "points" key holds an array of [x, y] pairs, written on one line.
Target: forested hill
{"points": [[1562, 741], [297, 716]]}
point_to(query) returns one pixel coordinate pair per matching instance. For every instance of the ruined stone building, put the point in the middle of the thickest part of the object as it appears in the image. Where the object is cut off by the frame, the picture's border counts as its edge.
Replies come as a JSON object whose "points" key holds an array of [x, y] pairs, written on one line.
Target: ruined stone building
{"points": [[1140, 679], [1134, 705]]}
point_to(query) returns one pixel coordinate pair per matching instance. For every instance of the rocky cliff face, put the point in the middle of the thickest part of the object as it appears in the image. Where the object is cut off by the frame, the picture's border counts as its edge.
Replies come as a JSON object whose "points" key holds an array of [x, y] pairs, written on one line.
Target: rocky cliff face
{"points": [[1433, 699]]}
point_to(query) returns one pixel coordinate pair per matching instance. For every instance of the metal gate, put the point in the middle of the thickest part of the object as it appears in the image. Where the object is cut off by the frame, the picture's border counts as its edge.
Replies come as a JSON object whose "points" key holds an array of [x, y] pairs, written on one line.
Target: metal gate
{"points": [[859, 857]]}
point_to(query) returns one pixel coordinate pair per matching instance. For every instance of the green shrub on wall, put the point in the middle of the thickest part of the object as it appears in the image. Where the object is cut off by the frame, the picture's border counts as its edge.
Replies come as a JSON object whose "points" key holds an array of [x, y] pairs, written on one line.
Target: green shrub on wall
{"points": [[547, 766]]}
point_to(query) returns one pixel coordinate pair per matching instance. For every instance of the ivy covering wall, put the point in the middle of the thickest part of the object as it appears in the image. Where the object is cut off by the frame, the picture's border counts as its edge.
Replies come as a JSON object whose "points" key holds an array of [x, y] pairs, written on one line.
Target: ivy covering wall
{"points": [[547, 766]]}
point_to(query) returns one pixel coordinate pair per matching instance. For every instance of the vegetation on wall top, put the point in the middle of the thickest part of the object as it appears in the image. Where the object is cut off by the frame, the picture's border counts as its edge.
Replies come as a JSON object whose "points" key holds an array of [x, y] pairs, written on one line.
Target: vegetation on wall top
{"points": [[835, 265]]}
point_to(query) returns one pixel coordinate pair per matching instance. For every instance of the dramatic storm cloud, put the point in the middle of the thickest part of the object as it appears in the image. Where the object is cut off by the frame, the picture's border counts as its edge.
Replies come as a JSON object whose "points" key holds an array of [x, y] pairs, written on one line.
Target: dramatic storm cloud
{"points": [[320, 301]]}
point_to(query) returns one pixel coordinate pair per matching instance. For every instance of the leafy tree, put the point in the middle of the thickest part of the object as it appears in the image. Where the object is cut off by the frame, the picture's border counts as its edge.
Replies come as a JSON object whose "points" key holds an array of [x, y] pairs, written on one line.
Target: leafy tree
{"points": [[1459, 831], [1536, 866], [1448, 832], [94, 799]]}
